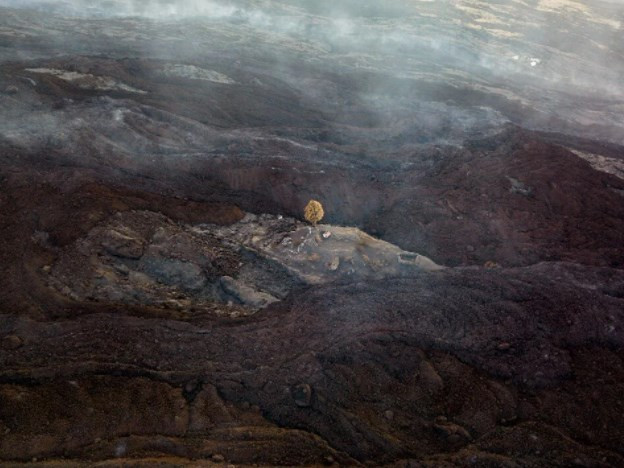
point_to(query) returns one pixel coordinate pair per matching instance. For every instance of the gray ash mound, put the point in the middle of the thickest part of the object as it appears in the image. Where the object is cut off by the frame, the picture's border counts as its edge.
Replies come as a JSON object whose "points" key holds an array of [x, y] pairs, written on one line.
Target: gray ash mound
{"points": [[163, 303]]}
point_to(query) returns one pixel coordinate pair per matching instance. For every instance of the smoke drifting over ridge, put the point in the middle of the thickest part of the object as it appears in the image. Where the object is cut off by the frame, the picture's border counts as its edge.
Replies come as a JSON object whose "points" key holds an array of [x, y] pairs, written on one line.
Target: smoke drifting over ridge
{"points": [[576, 42], [561, 58]]}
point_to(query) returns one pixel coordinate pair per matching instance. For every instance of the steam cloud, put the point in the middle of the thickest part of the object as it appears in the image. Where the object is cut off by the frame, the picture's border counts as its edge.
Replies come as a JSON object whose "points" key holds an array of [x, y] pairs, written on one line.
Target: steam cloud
{"points": [[535, 55]]}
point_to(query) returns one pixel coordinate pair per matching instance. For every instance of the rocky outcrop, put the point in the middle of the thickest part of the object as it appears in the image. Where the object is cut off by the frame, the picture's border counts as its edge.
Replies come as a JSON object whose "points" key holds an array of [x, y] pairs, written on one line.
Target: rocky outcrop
{"points": [[145, 258], [322, 253]]}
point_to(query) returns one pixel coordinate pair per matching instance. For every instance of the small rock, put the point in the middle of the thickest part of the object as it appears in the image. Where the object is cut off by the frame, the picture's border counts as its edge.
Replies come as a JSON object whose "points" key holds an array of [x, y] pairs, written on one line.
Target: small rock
{"points": [[329, 460], [504, 346], [11, 342], [429, 378], [326, 235], [122, 269], [139, 279], [334, 264], [452, 431], [245, 294], [47, 269], [519, 187], [173, 304], [454, 438], [218, 458], [302, 394], [124, 245], [191, 386], [389, 415], [12, 89]]}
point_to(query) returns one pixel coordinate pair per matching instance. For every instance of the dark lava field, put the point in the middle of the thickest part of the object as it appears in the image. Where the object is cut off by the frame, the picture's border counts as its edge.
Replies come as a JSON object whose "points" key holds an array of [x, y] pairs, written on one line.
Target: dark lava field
{"points": [[163, 302]]}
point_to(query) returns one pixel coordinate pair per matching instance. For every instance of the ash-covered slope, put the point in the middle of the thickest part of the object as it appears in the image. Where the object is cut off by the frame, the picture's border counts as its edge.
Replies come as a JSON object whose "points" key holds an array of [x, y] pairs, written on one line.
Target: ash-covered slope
{"points": [[161, 303]]}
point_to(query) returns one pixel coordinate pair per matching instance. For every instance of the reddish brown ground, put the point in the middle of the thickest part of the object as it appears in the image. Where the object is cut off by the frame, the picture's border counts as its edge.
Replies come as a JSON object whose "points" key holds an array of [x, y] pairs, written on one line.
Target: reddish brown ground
{"points": [[471, 366]]}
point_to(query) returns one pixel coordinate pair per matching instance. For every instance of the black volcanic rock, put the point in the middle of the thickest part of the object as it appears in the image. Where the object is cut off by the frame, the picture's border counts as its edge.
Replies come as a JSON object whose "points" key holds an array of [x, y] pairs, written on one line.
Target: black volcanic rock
{"points": [[363, 350]]}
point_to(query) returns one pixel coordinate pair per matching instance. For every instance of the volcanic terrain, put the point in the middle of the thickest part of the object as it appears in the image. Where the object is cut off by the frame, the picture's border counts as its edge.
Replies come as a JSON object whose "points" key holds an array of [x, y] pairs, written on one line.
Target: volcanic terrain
{"points": [[164, 303]]}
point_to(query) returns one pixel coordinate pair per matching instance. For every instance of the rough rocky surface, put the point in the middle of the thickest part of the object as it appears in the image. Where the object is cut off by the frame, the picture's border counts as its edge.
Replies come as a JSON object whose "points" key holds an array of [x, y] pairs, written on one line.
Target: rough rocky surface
{"points": [[144, 258], [465, 365], [162, 303]]}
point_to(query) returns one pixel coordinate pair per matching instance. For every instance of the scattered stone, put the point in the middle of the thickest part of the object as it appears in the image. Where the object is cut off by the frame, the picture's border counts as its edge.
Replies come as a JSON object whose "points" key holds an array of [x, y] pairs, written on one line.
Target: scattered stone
{"points": [[11, 342], [329, 460], [454, 432], [504, 346], [122, 244], [246, 294], [121, 269], [12, 89], [429, 378], [491, 265], [175, 304], [41, 238], [218, 458], [334, 264], [454, 438], [302, 394], [191, 386], [519, 187], [389, 415], [326, 235]]}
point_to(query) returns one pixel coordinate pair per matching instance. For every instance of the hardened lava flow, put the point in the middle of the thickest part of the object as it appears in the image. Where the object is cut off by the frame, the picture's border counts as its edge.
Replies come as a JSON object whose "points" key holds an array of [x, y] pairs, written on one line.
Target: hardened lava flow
{"points": [[455, 296]]}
